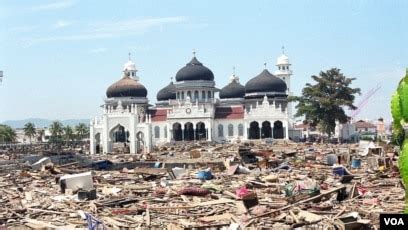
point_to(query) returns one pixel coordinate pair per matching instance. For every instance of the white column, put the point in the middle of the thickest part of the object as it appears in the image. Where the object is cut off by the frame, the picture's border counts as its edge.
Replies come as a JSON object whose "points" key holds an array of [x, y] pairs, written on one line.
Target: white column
{"points": [[105, 136], [149, 137], [287, 130], [209, 138], [91, 138], [132, 134], [169, 132]]}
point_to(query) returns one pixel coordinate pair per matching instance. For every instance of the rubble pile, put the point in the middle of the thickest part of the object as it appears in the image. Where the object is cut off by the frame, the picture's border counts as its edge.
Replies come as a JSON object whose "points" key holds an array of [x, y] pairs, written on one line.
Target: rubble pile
{"points": [[233, 186]]}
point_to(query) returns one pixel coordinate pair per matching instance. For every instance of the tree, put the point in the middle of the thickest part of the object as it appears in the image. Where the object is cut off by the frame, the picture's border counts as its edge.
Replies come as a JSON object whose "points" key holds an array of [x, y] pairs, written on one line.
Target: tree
{"points": [[68, 133], [322, 103], [399, 111], [29, 130], [56, 130], [40, 135], [7, 134], [81, 130]]}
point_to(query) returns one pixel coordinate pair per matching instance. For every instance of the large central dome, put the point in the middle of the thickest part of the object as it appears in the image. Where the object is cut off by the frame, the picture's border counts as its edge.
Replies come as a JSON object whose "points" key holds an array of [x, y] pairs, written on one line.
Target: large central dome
{"points": [[265, 82], [194, 71]]}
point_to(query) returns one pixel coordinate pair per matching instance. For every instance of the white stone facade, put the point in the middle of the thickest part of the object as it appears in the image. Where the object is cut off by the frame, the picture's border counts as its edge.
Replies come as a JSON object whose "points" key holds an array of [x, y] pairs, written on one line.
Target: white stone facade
{"points": [[129, 124]]}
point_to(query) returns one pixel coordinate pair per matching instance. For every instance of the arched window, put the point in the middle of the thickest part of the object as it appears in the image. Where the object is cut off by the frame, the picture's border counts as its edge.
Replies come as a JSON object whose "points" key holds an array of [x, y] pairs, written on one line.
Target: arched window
{"points": [[220, 130], [230, 130], [178, 95], [157, 132], [203, 95], [240, 130], [165, 131], [209, 94], [182, 95], [189, 94], [196, 95]]}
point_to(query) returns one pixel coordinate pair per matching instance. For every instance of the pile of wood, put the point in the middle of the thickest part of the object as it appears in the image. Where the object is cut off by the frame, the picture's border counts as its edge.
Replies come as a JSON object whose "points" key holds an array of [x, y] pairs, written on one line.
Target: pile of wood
{"points": [[241, 194]]}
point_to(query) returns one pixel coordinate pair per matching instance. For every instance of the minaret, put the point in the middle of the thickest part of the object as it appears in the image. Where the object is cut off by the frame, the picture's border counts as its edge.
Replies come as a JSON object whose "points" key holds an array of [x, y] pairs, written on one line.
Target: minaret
{"points": [[130, 68], [284, 72]]}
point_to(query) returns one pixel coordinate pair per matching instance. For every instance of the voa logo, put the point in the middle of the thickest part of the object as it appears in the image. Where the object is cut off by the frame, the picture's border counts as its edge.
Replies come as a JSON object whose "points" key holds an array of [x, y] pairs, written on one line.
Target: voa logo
{"points": [[393, 221]]}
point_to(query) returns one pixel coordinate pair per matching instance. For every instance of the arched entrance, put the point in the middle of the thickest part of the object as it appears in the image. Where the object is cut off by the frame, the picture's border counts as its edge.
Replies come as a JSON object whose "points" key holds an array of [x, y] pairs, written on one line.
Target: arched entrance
{"points": [[253, 130], [140, 141], [98, 147], [278, 130], [201, 132], [119, 134], [266, 131], [189, 132], [177, 132]]}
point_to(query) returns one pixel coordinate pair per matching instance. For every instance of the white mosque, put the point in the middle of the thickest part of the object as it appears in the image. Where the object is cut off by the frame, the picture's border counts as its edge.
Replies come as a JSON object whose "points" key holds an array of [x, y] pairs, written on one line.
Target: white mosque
{"points": [[193, 109]]}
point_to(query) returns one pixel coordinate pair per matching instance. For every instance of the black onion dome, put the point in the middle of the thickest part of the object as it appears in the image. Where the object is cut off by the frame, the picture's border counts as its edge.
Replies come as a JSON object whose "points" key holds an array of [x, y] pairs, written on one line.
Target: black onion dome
{"points": [[233, 90], [265, 82], [168, 92], [126, 87], [193, 71]]}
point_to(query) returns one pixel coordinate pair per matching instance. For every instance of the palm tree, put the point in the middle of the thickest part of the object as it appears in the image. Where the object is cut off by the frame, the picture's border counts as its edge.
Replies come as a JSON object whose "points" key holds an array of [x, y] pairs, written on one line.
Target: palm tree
{"points": [[7, 134], [29, 130], [56, 130], [40, 134], [81, 130], [68, 133]]}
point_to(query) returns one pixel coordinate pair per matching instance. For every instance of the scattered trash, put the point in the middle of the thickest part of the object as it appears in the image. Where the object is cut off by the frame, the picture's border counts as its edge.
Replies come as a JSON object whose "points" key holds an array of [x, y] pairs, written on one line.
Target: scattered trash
{"points": [[76, 181], [41, 163], [194, 191], [205, 175], [243, 185]]}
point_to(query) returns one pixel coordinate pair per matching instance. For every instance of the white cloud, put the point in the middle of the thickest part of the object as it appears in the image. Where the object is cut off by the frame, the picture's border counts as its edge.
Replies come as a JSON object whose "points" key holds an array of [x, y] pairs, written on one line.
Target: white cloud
{"points": [[61, 23], [98, 50], [113, 29], [54, 5]]}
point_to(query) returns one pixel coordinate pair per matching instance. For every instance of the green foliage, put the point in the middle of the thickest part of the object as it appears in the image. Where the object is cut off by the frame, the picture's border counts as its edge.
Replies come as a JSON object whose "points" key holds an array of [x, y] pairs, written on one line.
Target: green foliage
{"points": [[404, 102], [40, 134], [396, 107], [399, 110], [7, 134], [322, 103], [68, 133], [82, 130], [403, 162], [29, 130], [398, 134], [56, 130]]}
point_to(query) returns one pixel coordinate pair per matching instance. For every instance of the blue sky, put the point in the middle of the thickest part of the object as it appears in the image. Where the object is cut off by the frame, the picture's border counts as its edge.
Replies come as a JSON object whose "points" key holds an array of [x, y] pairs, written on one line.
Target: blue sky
{"points": [[59, 57]]}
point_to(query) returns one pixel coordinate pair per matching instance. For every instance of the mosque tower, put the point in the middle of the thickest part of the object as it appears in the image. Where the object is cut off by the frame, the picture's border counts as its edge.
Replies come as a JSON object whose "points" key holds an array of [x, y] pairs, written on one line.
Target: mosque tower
{"points": [[284, 72]]}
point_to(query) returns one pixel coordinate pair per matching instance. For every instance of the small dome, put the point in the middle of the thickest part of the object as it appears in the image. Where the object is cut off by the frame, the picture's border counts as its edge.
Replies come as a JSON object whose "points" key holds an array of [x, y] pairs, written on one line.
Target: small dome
{"points": [[283, 60], [129, 66], [126, 87], [193, 71], [168, 92], [265, 82], [233, 90]]}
